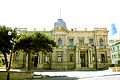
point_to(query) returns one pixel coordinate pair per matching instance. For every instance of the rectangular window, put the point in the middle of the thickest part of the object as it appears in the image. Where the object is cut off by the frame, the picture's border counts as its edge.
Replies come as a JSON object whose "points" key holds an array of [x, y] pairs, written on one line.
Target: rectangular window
{"points": [[70, 42], [81, 42], [71, 57], [93, 57], [102, 58], [91, 42], [17, 57], [59, 42], [118, 61], [59, 58], [118, 55], [101, 42], [47, 58]]}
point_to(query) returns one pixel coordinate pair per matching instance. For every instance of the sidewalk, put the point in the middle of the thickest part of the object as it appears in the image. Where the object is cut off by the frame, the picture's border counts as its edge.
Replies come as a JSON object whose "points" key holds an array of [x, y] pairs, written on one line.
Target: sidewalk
{"points": [[73, 73], [79, 74]]}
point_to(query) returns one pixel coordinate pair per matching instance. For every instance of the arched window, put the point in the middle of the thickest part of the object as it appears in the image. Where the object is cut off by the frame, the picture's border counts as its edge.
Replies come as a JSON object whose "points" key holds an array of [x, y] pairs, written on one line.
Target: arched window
{"points": [[59, 42], [101, 42]]}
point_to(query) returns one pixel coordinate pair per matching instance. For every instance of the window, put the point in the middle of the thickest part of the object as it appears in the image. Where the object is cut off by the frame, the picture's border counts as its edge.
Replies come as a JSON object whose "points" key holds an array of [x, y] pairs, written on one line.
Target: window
{"points": [[113, 49], [93, 57], [47, 58], [81, 42], [118, 48], [118, 55], [71, 57], [118, 61], [91, 42], [101, 42], [59, 42], [70, 42], [59, 58], [112, 56], [17, 56], [102, 58]]}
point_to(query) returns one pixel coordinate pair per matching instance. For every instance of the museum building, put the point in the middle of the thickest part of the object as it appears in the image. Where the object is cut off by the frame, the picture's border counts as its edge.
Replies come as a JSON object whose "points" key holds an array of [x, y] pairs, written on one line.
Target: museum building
{"points": [[86, 49]]}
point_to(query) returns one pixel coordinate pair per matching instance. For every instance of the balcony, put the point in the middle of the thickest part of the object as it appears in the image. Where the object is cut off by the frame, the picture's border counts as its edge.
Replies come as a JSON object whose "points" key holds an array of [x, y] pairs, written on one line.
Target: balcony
{"points": [[100, 47], [85, 45], [70, 47]]}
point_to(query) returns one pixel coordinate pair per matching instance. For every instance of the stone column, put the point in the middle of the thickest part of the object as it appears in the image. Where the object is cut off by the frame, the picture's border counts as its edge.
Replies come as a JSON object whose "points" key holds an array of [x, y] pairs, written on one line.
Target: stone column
{"points": [[65, 59], [38, 58], [76, 56], [79, 58], [63, 40], [105, 42], [26, 61], [91, 55], [78, 65], [66, 40], [40, 63], [76, 40], [90, 58]]}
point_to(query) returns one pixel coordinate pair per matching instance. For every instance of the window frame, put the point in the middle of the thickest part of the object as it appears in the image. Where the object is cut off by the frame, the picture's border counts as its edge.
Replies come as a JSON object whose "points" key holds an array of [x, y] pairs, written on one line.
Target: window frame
{"points": [[101, 42], [60, 42], [102, 58], [71, 58], [71, 42], [59, 59]]}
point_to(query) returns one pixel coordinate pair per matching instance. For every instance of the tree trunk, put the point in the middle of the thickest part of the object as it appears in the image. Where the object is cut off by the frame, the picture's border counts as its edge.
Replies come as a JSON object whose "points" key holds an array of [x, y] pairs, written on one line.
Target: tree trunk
{"points": [[8, 76], [29, 60], [6, 61]]}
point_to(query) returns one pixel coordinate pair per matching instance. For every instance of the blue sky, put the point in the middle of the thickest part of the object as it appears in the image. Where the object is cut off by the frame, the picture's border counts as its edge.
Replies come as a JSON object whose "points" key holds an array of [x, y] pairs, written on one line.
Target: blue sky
{"points": [[76, 13]]}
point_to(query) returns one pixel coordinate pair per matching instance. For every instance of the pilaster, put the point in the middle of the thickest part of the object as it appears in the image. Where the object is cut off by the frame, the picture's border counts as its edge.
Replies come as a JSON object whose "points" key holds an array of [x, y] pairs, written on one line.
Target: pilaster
{"points": [[78, 65]]}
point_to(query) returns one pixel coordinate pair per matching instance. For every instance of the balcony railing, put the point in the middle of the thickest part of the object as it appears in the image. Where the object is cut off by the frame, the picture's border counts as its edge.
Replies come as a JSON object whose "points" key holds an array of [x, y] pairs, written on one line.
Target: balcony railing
{"points": [[100, 47], [70, 47]]}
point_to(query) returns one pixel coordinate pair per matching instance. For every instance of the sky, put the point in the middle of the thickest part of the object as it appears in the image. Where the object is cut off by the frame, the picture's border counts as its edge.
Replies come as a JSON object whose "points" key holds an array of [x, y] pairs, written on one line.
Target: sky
{"points": [[78, 14]]}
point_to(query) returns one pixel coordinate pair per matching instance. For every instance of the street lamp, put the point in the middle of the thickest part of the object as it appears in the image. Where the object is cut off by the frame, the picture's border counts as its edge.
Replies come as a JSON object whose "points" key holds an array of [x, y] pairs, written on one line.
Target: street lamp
{"points": [[12, 41], [11, 51]]}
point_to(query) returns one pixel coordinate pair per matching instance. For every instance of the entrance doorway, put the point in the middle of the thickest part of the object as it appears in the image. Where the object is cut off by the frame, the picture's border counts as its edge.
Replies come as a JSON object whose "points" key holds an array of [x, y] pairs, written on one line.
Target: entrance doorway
{"points": [[36, 61], [82, 57]]}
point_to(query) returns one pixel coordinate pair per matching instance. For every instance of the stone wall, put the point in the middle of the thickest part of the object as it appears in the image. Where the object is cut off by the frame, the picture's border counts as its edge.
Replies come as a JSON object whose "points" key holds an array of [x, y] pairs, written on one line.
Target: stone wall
{"points": [[16, 75]]}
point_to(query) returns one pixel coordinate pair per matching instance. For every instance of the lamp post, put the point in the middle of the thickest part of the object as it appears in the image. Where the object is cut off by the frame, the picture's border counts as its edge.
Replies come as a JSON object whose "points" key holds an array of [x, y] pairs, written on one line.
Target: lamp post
{"points": [[95, 42], [12, 47], [95, 56]]}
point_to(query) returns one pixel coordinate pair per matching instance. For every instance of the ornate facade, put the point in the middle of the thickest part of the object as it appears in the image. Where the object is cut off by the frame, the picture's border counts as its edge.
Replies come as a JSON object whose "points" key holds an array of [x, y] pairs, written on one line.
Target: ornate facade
{"points": [[77, 50], [115, 51]]}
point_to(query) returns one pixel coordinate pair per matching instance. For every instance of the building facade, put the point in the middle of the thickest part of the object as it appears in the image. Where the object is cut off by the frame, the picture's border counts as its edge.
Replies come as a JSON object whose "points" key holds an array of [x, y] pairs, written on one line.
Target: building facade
{"points": [[77, 50], [115, 51]]}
